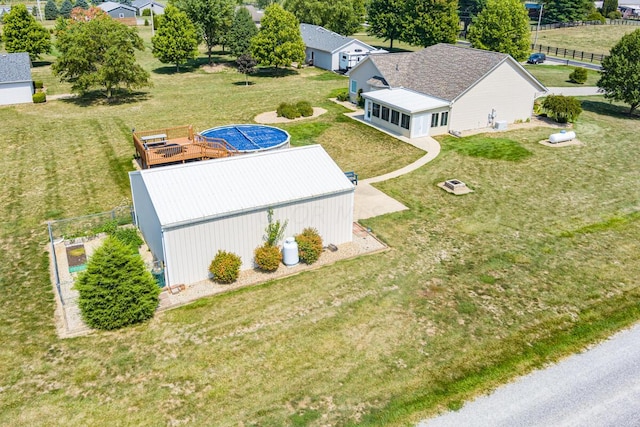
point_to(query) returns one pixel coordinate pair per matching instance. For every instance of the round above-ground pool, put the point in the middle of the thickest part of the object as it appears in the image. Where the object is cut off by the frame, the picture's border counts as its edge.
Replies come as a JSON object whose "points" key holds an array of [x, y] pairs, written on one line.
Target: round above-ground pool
{"points": [[250, 138]]}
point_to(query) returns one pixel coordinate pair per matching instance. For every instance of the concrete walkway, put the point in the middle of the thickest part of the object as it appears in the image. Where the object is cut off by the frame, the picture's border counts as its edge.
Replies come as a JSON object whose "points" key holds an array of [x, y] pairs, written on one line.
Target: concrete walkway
{"points": [[371, 202], [574, 91]]}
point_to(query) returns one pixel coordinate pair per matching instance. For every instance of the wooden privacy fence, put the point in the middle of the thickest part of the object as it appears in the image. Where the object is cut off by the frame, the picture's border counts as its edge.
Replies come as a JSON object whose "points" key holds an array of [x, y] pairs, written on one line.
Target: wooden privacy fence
{"points": [[578, 55]]}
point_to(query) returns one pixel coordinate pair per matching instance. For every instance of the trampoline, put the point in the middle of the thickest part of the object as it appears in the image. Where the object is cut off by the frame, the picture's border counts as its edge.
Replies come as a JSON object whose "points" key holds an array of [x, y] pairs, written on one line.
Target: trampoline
{"points": [[250, 138]]}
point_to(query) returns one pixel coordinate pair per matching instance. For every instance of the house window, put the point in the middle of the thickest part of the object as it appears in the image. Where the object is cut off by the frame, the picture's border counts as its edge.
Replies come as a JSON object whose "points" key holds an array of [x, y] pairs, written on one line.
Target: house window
{"points": [[434, 119], [354, 86], [444, 119], [376, 110], [385, 113], [405, 121], [395, 117]]}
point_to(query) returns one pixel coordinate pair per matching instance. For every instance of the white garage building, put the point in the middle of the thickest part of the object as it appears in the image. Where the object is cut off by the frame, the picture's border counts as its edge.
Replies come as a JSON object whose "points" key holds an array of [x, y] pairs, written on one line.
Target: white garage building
{"points": [[188, 212], [16, 86]]}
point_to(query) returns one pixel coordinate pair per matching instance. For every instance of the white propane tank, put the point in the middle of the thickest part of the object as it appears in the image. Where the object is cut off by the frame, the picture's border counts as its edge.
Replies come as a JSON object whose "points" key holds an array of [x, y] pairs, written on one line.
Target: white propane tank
{"points": [[562, 137], [290, 252]]}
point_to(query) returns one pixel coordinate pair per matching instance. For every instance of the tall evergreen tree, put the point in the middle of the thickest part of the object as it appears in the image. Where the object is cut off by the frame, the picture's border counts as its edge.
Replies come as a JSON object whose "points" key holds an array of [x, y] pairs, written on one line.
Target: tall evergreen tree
{"points": [[609, 6], [22, 33], [82, 3], [99, 53], [116, 290], [65, 9], [176, 39], [566, 10], [386, 19], [50, 10], [212, 18], [243, 29], [279, 42], [429, 22], [620, 78], [343, 17], [502, 26]]}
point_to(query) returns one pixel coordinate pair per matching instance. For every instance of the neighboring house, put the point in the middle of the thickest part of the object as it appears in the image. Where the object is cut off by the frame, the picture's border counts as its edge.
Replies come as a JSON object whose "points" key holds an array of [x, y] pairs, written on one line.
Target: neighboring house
{"points": [[443, 88], [4, 10], [140, 5], [331, 51], [188, 212], [16, 85], [256, 14], [629, 10], [118, 10]]}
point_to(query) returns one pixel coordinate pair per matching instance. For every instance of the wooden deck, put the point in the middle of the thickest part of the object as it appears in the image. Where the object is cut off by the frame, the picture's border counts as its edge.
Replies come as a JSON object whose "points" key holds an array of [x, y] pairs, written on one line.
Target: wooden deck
{"points": [[178, 145]]}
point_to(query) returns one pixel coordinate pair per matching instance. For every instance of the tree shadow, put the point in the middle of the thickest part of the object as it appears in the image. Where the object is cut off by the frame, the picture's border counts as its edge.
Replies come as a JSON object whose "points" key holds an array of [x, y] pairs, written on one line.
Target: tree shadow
{"points": [[38, 64], [97, 97], [243, 83], [275, 72], [609, 109]]}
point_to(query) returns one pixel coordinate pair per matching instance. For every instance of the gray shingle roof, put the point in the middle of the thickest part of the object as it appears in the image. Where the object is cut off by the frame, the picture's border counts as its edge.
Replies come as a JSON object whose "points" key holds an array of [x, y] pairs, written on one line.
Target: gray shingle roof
{"points": [[141, 3], [108, 6], [15, 67], [320, 38], [444, 71]]}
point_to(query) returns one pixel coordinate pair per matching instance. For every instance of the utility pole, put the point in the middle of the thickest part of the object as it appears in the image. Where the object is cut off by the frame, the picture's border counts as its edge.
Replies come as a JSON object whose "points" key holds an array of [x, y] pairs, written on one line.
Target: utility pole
{"points": [[153, 31], [535, 40]]}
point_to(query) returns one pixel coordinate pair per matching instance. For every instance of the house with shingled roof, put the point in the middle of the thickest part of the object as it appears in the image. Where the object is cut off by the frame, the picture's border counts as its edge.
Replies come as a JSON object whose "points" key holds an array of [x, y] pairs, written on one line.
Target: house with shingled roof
{"points": [[332, 51], [118, 10], [155, 7], [443, 88], [16, 85]]}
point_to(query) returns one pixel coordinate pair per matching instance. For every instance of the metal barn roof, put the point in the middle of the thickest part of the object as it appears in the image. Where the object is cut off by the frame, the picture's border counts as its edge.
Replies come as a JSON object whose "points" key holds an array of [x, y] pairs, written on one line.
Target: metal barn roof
{"points": [[406, 100], [200, 191]]}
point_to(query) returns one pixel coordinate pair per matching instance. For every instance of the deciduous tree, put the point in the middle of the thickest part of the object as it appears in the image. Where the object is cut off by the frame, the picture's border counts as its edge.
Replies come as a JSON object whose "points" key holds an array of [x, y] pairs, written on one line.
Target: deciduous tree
{"points": [[430, 22], [386, 19], [243, 29], [279, 42], [212, 18], [566, 10], [620, 78], [246, 65], [116, 290], [22, 33], [343, 17], [99, 53], [176, 39], [502, 26]]}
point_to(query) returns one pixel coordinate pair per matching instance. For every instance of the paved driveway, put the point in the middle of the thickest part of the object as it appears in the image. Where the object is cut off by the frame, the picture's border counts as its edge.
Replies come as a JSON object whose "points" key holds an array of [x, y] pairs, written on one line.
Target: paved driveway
{"points": [[600, 387]]}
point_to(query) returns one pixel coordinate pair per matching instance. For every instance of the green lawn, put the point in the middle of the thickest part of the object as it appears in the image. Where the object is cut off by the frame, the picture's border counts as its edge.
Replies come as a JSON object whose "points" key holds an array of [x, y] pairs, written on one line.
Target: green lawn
{"points": [[592, 39], [539, 261], [558, 75]]}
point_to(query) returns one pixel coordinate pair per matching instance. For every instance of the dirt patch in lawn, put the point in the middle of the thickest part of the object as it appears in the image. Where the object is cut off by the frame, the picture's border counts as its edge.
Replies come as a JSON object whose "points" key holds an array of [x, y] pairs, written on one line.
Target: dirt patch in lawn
{"points": [[272, 117]]}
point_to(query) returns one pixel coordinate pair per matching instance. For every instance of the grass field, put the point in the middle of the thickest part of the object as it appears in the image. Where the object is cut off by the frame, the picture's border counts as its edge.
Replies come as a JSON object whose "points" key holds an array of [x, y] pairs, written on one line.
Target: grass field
{"points": [[558, 75], [592, 39], [539, 261]]}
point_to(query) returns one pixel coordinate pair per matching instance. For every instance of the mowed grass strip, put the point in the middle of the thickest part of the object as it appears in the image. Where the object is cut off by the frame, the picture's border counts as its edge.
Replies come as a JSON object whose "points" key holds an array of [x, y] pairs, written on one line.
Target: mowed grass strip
{"points": [[468, 283], [588, 38], [558, 75]]}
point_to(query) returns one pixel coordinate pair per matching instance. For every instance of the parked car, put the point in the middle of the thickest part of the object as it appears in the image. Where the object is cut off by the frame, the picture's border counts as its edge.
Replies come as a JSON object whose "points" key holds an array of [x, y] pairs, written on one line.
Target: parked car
{"points": [[537, 58]]}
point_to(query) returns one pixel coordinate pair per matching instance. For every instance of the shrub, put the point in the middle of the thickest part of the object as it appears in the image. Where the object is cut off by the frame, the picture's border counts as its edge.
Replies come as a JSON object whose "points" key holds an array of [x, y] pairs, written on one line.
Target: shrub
{"points": [[288, 110], [309, 245], [146, 12], [561, 108], [116, 290], [616, 14], [360, 99], [38, 84], [39, 97], [268, 257], [146, 22], [578, 75], [225, 267], [595, 16], [305, 108], [129, 237], [343, 96]]}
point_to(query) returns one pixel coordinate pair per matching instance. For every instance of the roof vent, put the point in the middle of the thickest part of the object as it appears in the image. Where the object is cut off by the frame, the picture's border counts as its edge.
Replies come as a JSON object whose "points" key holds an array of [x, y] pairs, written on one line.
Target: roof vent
{"points": [[397, 67]]}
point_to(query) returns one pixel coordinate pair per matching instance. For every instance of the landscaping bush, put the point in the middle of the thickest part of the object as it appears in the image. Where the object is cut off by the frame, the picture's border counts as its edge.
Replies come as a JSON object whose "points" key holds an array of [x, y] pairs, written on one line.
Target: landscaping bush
{"points": [[225, 267], [360, 99], [616, 14], [305, 108], [129, 237], [309, 245], [343, 96], [596, 16], [37, 84], [39, 97], [561, 108], [578, 75], [288, 110], [268, 257], [146, 22], [146, 12], [116, 290]]}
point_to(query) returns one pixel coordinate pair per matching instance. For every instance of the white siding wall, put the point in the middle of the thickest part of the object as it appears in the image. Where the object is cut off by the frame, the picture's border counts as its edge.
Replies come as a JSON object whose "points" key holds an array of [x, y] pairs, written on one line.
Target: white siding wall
{"points": [[190, 249], [505, 90], [16, 93], [146, 216], [361, 74], [320, 59]]}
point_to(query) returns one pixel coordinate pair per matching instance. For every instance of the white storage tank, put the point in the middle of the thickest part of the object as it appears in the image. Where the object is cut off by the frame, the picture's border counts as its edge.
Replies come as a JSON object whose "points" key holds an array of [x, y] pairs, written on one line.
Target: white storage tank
{"points": [[563, 136], [290, 251]]}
